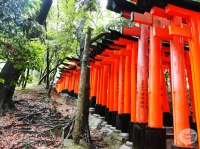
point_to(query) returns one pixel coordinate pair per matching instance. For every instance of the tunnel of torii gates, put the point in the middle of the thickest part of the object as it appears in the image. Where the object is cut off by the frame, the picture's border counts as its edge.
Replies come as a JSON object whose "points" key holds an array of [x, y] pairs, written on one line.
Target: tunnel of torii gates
{"points": [[127, 74]]}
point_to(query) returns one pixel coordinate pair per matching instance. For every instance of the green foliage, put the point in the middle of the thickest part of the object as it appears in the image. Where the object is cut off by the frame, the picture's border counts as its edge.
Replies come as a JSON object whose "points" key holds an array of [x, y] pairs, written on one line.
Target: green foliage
{"points": [[63, 22], [2, 80], [102, 19], [61, 27], [18, 31], [21, 35]]}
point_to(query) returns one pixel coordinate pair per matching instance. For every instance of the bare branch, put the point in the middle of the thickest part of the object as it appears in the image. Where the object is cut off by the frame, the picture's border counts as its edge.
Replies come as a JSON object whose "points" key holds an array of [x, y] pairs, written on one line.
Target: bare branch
{"points": [[99, 36]]}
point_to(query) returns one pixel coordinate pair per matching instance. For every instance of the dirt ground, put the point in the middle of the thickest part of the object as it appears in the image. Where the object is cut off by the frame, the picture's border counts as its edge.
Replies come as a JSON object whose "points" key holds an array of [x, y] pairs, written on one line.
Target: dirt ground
{"points": [[39, 122]]}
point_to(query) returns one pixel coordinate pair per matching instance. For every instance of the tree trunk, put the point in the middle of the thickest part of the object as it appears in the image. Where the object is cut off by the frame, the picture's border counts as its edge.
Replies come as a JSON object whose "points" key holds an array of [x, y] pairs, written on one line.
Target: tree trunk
{"points": [[81, 119], [10, 75], [48, 63], [86, 107], [80, 33], [26, 79], [52, 79], [21, 78], [44, 76], [45, 7]]}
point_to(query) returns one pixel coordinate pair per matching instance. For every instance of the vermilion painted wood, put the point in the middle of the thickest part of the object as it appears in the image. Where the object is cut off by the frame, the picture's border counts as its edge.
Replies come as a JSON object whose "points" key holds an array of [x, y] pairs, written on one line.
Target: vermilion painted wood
{"points": [[121, 85], [75, 80], [134, 60], [110, 98], [110, 52], [177, 11], [117, 47], [101, 94], [142, 77], [108, 91], [194, 58], [69, 86], [127, 80], [78, 78], [98, 101], [106, 60], [131, 31], [116, 84], [115, 60], [164, 96], [189, 75], [125, 52], [126, 14], [192, 20], [179, 94], [105, 84], [183, 31], [143, 18], [156, 11], [162, 33], [100, 85], [122, 41], [165, 61], [72, 81], [58, 86], [124, 100], [66, 82], [155, 115], [95, 82], [91, 82]]}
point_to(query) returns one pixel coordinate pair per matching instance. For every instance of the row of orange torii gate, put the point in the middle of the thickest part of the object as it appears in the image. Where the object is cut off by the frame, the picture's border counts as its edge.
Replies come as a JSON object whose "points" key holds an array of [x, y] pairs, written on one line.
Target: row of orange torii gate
{"points": [[127, 81]]}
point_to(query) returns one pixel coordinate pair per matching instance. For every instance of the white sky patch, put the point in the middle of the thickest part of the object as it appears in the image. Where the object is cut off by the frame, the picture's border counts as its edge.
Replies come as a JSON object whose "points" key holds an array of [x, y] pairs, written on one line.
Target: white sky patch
{"points": [[103, 3], [107, 14]]}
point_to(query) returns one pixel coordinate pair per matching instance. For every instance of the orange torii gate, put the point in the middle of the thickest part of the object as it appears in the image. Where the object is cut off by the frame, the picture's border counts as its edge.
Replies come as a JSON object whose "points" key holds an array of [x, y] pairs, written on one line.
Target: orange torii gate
{"points": [[135, 31], [181, 116], [120, 104], [106, 101], [132, 71], [138, 131], [131, 66], [69, 81]]}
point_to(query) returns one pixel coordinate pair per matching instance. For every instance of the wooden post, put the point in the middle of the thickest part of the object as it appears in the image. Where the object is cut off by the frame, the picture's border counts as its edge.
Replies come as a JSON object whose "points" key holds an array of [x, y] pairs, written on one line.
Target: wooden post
{"points": [[134, 59], [179, 94], [142, 77], [79, 127], [189, 76]]}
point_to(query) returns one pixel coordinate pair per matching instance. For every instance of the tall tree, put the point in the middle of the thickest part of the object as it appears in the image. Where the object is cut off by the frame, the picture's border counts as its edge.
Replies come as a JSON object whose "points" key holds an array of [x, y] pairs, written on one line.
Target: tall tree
{"points": [[41, 19], [18, 26], [81, 119]]}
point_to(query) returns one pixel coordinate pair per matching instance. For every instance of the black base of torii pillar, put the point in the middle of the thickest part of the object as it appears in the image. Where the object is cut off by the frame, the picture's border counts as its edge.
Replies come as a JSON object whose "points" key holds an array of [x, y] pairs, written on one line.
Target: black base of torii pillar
{"points": [[155, 138], [176, 147]]}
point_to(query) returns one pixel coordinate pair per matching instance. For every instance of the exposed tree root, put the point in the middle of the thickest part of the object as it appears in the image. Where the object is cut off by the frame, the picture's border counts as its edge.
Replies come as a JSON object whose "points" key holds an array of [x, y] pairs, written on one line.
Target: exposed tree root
{"points": [[42, 125]]}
